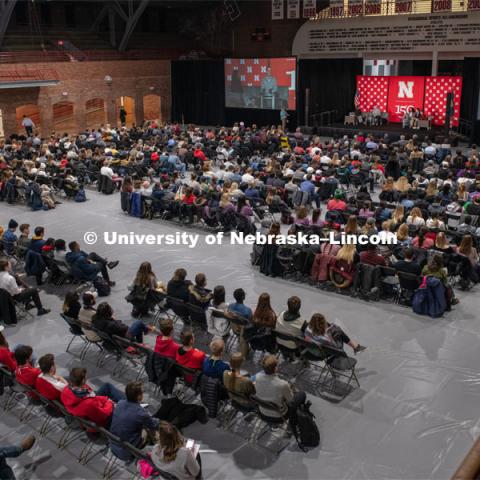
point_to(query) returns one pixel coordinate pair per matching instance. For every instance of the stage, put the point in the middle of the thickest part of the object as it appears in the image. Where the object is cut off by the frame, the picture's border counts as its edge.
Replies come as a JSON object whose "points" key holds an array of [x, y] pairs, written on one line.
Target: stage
{"points": [[393, 130]]}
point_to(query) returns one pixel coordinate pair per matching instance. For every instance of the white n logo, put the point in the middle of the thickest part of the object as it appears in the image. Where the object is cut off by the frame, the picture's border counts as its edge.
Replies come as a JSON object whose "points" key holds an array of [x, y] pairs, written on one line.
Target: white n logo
{"points": [[405, 89]]}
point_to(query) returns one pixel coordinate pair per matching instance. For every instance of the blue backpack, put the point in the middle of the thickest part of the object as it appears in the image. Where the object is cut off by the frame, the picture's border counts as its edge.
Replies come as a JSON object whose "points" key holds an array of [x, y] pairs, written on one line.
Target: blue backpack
{"points": [[80, 196]]}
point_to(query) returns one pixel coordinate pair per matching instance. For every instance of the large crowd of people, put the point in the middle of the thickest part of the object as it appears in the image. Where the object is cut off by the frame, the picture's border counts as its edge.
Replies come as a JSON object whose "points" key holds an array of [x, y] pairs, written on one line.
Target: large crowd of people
{"points": [[244, 178]]}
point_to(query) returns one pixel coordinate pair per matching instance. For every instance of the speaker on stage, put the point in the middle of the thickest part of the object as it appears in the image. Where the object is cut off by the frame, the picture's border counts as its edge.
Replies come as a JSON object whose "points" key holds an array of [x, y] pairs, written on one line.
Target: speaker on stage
{"points": [[449, 109]]}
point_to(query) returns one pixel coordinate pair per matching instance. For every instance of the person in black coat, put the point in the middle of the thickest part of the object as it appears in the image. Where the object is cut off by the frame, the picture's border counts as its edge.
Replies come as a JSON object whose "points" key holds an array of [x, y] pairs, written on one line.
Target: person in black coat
{"points": [[392, 168]]}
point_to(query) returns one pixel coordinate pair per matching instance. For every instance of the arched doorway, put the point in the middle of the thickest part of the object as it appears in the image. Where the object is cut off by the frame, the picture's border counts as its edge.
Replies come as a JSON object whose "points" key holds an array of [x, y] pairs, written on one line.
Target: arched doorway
{"points": [[95, 112], [63, 121], [30, 111], [128, 104], [151, 107]]}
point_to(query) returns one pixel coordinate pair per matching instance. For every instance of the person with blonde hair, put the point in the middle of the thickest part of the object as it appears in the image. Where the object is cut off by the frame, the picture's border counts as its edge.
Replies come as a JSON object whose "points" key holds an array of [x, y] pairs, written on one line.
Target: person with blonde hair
{"points": [[402, 185], [172, 456], [348, 253], [214, 366], [398, 214], [441, 243], [403, 236], [416, 218], [239, 387]]}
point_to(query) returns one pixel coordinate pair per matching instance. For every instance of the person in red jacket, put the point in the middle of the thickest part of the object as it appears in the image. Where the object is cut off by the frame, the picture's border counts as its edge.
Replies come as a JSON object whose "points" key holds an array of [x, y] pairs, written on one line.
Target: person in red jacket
{"points": [[82, 401], [187, 355], [7, 358], [198, 154], [49, 384], [165, 345], [370, 256], [26, 373]]}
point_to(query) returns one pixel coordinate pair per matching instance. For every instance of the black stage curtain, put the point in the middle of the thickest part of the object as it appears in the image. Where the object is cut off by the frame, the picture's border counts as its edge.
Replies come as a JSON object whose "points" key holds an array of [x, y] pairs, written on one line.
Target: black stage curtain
{"points": [[470, 94], [198, 92], [332, 85]]}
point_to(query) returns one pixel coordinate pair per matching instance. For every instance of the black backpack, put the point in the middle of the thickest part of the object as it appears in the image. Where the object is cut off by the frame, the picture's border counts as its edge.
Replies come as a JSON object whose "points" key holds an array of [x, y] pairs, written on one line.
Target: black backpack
{"points": [[102, 287], [304, 428]]}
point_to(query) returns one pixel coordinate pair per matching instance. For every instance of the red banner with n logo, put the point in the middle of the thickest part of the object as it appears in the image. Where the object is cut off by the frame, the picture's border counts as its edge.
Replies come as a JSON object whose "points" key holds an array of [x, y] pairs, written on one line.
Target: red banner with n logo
{"points": [[404, 93]]}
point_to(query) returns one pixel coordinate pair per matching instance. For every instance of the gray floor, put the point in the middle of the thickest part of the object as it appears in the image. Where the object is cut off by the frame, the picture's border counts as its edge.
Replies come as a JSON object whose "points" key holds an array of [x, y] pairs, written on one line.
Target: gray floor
{"points": [[415, 415]]}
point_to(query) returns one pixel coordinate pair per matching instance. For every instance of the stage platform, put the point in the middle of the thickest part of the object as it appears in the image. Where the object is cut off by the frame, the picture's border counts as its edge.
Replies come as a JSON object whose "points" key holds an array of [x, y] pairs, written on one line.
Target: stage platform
{"points": [[394, 130]]}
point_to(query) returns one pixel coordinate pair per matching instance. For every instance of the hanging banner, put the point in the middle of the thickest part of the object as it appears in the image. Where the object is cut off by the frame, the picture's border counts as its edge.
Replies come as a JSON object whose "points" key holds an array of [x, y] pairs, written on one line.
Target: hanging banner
{"points": [[293, 9], [309, 8], [373, 7], [277, 9], [442, 5], [403, 6], [473, 5], [336, 8], [355, 8]]}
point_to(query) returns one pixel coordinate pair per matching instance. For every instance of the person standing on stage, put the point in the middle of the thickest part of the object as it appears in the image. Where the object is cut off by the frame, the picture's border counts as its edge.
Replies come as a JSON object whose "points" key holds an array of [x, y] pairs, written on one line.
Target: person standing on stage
{"points": [[284, 118]]}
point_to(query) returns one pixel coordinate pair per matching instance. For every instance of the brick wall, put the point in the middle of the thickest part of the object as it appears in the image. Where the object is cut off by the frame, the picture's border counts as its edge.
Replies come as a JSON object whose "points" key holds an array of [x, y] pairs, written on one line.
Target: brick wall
{"points": [[81, 82]]}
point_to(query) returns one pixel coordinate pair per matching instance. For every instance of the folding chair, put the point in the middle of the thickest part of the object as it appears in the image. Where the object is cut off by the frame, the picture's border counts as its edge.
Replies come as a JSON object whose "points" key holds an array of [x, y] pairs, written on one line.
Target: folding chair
{"points": [[136, 359], [273, 425], [408, 283], [77, 332]]}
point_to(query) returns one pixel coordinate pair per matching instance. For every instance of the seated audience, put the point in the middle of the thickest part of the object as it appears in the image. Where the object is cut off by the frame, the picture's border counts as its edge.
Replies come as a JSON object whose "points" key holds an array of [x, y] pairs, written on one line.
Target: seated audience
{"points": [[290, 322], [49, 383], [214, 366], [239, 387], [165, 345], [189, 356], [7, 357], [218, 326]]}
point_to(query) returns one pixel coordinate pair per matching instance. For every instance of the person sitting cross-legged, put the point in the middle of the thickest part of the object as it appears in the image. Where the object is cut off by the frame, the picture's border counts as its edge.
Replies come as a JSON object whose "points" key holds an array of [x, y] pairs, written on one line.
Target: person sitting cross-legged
{"points": [[86, 267], [19, 293]]}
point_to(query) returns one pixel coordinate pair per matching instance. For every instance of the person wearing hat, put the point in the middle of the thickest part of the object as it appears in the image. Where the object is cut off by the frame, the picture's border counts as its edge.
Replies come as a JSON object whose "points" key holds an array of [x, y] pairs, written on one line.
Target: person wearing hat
{"points": [[10, 238], [337, 202]]}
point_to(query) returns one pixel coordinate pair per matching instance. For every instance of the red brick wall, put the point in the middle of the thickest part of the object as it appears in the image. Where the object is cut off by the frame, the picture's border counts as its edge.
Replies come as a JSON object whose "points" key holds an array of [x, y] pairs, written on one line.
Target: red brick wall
{"points": [[80, 82]]}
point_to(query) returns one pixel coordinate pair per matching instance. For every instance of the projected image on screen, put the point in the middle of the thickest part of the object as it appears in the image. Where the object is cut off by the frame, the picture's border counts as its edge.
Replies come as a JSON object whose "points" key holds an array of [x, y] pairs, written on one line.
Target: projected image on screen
{"points": [[267, 83]]}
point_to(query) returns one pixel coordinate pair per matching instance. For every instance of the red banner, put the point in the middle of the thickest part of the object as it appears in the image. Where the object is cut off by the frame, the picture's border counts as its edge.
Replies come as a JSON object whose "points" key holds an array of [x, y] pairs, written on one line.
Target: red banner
{"points": [[404, 93], [396, 95]]}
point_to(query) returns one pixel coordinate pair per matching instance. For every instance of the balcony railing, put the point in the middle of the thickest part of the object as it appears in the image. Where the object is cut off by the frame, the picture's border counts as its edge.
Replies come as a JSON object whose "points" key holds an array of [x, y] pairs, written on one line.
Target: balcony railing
{"points": [[28, 75]]}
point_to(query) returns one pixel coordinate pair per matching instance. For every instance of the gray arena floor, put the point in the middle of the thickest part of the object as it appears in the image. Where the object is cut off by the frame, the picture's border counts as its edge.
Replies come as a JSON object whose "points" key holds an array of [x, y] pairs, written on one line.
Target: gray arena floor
{"points": [[415, 415]]}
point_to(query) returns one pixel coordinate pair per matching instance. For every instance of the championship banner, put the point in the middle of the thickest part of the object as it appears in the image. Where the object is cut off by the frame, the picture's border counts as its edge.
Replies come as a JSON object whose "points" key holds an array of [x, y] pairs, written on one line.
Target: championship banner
{"points": [[309, 8], [355, 8], [293, 9], [277, 9], [336, 8], [373, 7], [404, 93], [436, 91], [403, 6], [442, 5], [473, 5]]}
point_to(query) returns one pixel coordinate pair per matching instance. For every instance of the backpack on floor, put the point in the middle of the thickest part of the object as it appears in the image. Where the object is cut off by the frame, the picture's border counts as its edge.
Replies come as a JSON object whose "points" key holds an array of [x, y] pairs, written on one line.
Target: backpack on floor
{"points": [[304, 428], [102, 287], [80, 196]]}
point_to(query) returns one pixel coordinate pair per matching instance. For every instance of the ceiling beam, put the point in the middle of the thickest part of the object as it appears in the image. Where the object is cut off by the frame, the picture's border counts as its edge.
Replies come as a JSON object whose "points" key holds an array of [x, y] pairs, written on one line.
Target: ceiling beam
{"points": [[6, 10], [131, 24]]}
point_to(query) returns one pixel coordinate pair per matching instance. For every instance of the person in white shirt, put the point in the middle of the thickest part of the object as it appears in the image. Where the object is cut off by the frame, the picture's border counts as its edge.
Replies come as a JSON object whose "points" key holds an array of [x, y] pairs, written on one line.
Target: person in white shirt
{"points": [[290, 322], [49, 372], [173, 455], [107, 170], [28, 124], [247, 177], [22, 293]]}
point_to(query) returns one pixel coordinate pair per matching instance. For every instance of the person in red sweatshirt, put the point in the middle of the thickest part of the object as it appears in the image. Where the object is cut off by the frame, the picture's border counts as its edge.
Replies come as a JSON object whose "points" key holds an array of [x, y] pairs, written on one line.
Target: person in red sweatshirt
{"points": [[165, 345], [187, 355], [7, 358], [82, 401], [26, 373], [49, 384]]}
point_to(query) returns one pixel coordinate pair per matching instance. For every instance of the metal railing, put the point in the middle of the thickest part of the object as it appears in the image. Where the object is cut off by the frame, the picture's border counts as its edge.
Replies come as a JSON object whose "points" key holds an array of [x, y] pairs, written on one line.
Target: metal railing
{"points": [[323, 118], [25, 75], [391, 7], [89, 56]]}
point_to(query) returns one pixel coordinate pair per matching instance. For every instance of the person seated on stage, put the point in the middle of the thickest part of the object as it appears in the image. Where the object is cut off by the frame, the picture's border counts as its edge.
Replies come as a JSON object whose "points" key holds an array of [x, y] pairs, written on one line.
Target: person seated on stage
{"points": [[189, 356], [319, 331], [165, 345], [82, 401], [87, 266], [49, 384], [21, 293]]}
